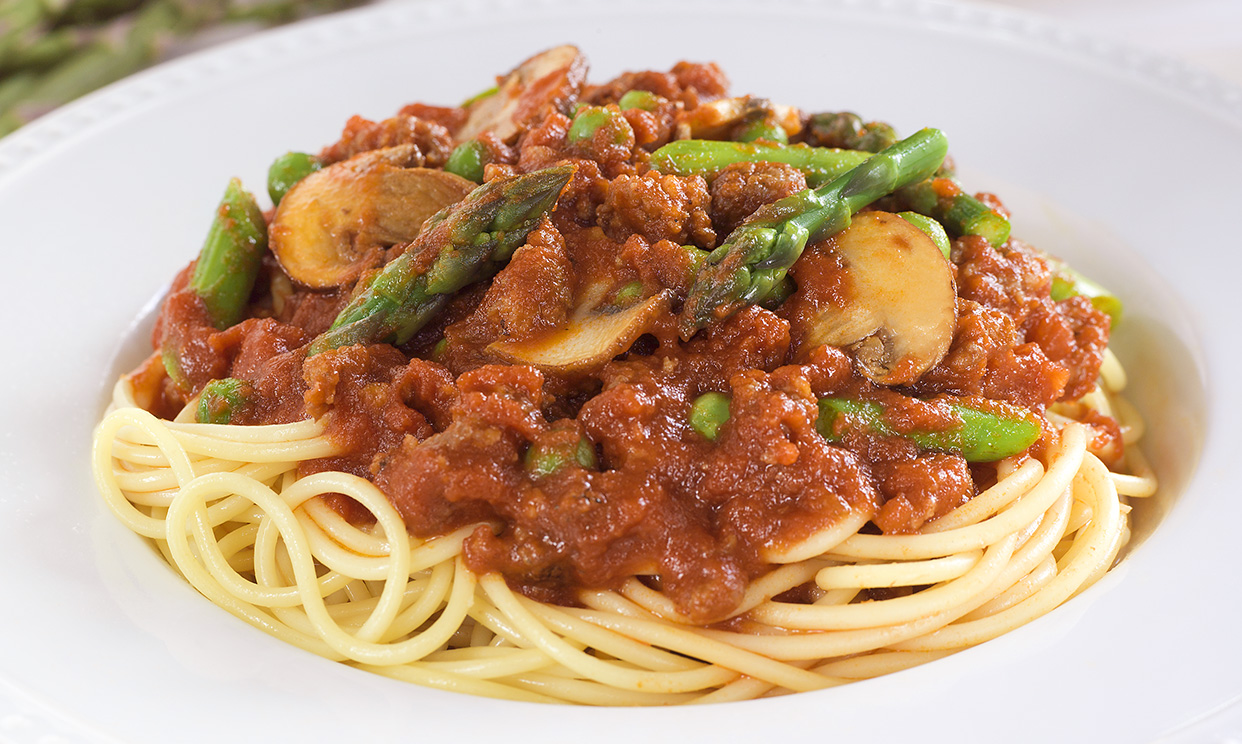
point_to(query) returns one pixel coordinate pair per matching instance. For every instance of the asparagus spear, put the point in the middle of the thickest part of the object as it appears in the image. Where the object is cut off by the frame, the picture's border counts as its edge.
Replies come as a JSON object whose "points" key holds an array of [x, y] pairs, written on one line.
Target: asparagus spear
{"points": [[1067, 282], [755, 258], [960, 213], [229, 261], [226, 268], [463, 243], [708, 157], [983, 436], [71, 48]]}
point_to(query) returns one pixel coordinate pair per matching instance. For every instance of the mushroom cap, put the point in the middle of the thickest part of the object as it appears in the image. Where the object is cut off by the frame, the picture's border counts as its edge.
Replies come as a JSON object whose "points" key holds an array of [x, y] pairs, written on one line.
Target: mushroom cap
{"points": [[889, 298], [712, 119], [551, 79], [336, 222], [589, 341]]}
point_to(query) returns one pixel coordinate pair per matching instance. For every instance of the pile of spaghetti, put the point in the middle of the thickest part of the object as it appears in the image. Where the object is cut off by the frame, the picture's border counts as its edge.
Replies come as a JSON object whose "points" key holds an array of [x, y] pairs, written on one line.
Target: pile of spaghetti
{"points": [[626, 394]]}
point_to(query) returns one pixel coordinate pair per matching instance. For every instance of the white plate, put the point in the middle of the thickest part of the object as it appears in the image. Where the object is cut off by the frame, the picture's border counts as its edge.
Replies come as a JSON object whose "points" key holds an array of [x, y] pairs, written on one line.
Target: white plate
{"points": [[1123, 163]]}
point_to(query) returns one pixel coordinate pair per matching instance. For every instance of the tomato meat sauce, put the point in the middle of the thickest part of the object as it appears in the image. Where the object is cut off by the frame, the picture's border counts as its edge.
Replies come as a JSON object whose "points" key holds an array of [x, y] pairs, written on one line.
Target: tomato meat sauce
{"points": [[586, 476]]}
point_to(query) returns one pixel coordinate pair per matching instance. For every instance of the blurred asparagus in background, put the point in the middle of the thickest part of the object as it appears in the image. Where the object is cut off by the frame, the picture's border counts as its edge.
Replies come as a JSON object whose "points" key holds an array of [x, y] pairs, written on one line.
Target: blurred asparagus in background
{"points": [[52, 51]]}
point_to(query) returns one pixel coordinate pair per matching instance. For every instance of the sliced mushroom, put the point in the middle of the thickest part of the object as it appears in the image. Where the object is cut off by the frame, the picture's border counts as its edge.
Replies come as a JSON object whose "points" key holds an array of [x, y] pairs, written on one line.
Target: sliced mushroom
{"points": [[336, 222], [882, 289], [591, 339], [715, 119], [550, 80]]}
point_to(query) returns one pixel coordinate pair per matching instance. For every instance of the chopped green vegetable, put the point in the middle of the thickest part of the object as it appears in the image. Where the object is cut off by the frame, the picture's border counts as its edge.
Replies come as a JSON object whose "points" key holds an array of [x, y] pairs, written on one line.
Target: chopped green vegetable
{"points": [[708, 413], [983, 436], [708, 158], [542, 460], [468, 160], [755, 258], [287, 170], [220, 400], [1067, 282], [932, 228]]}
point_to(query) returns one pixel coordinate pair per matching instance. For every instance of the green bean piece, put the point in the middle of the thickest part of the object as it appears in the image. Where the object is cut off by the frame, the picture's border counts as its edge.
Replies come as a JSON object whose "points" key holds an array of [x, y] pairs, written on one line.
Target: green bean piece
{"points": [[1067, 283], [228, 263], [708, 158], [462, 243], [756, 256], [931, 228], [542, 460], [468, 160], [983, 436], [708, 413], [287, 170], [220, 400]]}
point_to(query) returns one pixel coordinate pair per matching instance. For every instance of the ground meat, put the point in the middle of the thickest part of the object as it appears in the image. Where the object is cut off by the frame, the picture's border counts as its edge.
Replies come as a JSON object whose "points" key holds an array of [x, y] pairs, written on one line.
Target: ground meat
{"points": [[652, 129], [988, 358], [449, 117], [688, 83], [658, 207], [533, 293], [742, 188], [700, 82], [664, 263], [753, 338], [1074, 334], [434, 142], [546, 146], [773, 478], [1014, 279], [366, 413], [634, 488], [920, 489], [444, 480]]}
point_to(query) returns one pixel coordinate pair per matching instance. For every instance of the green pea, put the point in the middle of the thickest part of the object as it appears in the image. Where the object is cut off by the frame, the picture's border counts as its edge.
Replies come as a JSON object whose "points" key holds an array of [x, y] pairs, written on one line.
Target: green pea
{"points": [[468, 160], [287, 170], [708, 413]]}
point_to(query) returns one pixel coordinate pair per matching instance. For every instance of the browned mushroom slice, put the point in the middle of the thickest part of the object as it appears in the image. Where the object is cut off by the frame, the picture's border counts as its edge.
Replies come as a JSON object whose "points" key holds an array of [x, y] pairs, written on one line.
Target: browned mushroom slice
{"points": [[550, 80], [715, 119], [591, 339], [881, 288], [336, 222]]}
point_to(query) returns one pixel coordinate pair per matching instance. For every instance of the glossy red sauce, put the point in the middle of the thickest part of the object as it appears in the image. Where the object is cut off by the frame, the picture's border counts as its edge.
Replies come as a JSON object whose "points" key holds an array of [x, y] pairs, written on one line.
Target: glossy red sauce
{"points": [[444, 429]]}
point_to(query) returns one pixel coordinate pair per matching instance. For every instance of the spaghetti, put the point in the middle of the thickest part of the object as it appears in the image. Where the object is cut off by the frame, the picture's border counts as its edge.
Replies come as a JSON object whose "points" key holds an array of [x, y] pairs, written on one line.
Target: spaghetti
{"points": [[580, 434], [225, 508]]}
